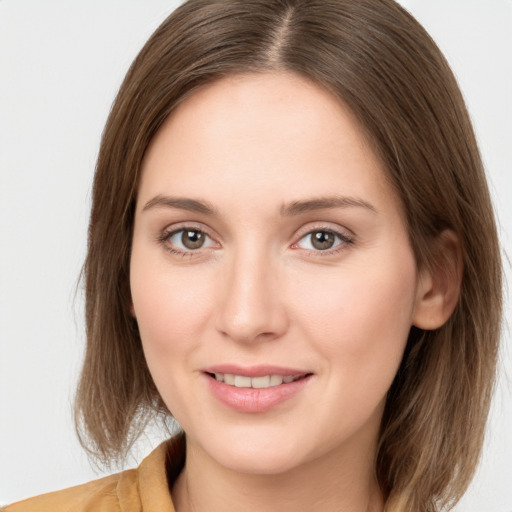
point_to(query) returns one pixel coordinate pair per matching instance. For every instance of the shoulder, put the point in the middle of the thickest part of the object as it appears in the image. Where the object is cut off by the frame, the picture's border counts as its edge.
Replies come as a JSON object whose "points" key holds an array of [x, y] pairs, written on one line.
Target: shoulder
{"points": [[99, 496], [145, 488]]}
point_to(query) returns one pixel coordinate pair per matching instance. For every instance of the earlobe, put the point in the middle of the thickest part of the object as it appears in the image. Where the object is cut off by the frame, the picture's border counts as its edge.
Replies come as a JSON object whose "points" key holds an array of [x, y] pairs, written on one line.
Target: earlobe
{"points": [[439, 285], [132, 311]]}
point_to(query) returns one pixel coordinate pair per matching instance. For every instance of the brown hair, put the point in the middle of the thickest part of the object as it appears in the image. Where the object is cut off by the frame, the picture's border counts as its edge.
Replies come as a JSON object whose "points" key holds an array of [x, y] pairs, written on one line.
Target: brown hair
{"points": [[381, 63]]}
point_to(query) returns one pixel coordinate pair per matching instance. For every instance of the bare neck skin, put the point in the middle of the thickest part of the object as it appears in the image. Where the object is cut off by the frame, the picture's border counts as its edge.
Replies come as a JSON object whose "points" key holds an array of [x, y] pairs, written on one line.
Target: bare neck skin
{"points": [[341, 481]]}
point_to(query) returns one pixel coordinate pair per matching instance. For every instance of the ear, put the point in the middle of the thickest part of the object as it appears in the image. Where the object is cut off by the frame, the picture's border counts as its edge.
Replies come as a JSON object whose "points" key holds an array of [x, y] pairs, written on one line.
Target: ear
{"points": [[132, 310], [439, 286]]}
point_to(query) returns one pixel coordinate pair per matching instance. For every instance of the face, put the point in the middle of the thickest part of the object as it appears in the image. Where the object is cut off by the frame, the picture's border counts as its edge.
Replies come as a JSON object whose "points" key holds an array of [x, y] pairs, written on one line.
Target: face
{"points": [[271, 274]]}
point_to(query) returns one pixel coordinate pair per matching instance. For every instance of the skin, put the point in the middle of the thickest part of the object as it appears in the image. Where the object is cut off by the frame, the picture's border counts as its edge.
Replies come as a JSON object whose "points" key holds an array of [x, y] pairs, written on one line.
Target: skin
{"points": [[259, 292]]}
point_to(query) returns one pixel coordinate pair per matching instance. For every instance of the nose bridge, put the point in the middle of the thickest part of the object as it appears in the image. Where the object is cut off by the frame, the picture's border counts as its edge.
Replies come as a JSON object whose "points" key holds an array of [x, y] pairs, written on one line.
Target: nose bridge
{"points": [[251, 306]]}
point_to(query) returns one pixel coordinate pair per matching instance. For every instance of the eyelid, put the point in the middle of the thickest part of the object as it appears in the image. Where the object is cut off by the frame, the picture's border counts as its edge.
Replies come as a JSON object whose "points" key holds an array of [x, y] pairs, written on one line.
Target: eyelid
{"points": [[191, 225], [168, 232], [345, 236], [311, 227]]}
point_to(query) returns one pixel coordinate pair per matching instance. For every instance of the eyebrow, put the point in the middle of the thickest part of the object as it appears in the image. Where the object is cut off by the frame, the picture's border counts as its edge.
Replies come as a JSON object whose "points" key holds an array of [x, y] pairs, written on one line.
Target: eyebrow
{"points": [[322, 203], [286, 210], [181, 203]]}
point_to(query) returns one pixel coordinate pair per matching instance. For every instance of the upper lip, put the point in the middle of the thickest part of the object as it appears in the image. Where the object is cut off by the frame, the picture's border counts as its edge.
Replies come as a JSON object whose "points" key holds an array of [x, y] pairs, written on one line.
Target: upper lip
{"points": [[254, 371]]}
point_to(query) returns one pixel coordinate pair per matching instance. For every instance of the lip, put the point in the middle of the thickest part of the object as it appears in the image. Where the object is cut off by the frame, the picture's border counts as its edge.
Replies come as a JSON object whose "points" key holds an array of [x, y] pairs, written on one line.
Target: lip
{"points": [[255, 371], [252, 400]]}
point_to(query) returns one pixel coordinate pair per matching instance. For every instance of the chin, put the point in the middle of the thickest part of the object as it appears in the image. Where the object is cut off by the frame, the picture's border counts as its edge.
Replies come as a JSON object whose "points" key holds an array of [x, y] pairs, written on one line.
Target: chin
{"points": [[262, 452], [263, 461]]}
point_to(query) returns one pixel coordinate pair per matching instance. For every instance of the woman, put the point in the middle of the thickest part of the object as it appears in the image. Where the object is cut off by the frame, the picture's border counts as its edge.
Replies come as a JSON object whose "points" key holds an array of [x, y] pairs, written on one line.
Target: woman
{"points": [[292, 251]]}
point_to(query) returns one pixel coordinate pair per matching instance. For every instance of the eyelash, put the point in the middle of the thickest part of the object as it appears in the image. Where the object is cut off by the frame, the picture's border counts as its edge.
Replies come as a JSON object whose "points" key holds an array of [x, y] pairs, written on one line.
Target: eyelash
{"points": [[343, 241], [166, 236]]}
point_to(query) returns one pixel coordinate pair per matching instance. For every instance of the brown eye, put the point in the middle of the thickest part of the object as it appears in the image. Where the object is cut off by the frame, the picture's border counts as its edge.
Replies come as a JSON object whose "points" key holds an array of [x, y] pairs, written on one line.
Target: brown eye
{"points": [[192, 239], [322, 240], [187, 240]]}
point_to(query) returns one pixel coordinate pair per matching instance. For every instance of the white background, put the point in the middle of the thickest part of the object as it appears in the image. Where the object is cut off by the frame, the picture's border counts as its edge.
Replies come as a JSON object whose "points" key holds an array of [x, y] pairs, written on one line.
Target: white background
{"points": [[61, 63]]}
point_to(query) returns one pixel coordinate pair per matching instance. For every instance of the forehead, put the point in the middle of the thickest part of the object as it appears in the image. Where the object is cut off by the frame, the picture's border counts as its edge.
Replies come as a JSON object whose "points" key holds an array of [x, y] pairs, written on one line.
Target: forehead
{"points": [[264, 104], [276, 133]]}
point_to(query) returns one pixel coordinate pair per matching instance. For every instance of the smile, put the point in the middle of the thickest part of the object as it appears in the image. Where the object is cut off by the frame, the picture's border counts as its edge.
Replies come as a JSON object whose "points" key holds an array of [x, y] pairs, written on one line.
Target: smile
{"points": [[262, 382], [265, 389]]}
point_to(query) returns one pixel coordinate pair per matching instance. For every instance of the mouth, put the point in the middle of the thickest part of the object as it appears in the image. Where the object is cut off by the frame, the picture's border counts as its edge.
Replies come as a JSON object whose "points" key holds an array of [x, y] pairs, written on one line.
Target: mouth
{"points": [[256, 389], [260, 382]]}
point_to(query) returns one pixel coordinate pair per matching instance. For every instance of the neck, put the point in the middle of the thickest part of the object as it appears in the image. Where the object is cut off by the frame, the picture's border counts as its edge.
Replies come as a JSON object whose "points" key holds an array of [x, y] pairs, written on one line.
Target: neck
{"points": [[341, 481]]}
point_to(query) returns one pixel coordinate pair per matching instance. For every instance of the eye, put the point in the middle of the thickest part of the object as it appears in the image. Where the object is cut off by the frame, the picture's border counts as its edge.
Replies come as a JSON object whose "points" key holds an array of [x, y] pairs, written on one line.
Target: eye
{"points": [[188, 239], [322, 240]]}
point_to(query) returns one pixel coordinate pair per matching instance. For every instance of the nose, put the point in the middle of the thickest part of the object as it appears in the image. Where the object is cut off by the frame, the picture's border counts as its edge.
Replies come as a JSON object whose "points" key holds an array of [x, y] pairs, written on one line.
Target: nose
{"points": [[251, 305]]}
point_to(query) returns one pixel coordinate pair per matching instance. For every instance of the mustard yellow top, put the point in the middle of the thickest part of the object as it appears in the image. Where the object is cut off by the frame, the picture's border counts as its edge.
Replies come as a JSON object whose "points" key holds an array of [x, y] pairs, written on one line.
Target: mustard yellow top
{"points": [[144, 489]]}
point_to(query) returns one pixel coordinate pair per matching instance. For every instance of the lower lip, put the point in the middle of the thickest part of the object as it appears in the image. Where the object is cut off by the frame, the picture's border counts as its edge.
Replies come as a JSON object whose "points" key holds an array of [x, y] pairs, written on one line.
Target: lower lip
{"points": [[252, 400]]}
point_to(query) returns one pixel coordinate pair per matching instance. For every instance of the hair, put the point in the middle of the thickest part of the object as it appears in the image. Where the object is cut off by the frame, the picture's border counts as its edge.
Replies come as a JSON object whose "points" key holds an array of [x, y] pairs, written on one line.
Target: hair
{"points": [[378, 60]]}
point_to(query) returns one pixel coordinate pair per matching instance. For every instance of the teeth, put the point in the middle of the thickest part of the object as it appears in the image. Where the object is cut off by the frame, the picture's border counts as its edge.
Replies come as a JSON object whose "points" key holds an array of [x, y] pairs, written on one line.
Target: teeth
{"points": [[260, 382], [229, 379], [242, 382], [266, 381], [276, 380]]}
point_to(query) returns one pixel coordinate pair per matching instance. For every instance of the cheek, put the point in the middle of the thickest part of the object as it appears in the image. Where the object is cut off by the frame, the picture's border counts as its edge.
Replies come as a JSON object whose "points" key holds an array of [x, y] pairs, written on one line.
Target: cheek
{"points": [[171, 313], [171, 309], [359, 316]]}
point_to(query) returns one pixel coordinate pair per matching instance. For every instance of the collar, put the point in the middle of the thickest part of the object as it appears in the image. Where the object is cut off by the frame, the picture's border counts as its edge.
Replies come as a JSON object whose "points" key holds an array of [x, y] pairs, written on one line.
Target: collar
{"points": [[148, 487]]}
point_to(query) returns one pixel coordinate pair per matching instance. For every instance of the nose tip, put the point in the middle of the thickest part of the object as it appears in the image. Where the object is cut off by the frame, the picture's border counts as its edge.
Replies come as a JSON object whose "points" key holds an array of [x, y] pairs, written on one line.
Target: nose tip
{"points": [[247, 330], [251, 307]]}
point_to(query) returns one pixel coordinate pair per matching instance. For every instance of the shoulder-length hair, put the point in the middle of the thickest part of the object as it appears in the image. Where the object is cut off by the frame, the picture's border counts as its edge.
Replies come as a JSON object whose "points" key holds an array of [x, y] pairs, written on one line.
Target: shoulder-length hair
{"points": [[382, 64]]}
